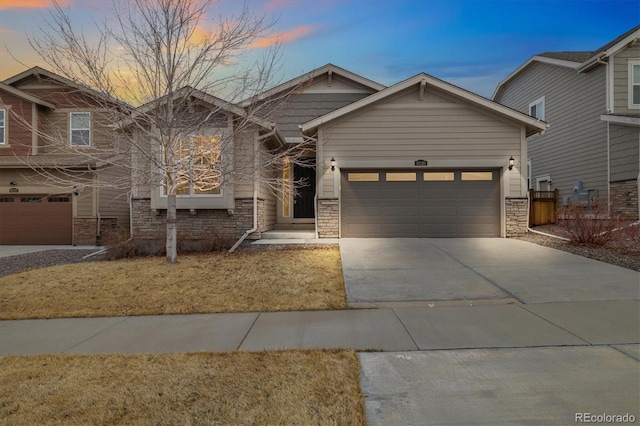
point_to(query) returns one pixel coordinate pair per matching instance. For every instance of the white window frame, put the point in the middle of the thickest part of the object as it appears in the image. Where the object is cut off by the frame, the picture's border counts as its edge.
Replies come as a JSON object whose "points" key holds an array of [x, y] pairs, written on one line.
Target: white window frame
{"points": [[529, 182], [541, 102], [632, 84], [540, 180], [192, 194], [3, 132], [72, 129]]}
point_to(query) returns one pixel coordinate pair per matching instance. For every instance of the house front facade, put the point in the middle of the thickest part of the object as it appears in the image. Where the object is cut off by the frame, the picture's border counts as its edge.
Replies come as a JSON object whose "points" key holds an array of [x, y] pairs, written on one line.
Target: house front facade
{"points": [[50, 191], [591, 101]]}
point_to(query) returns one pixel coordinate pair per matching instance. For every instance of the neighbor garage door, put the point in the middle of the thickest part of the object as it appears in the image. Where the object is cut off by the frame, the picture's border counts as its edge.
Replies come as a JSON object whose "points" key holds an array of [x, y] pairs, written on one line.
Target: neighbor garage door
{"points": [[409, 203], [35, 219]]}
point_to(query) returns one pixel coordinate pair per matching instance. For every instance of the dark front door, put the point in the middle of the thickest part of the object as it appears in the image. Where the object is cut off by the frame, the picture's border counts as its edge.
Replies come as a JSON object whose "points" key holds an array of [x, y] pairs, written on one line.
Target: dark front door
{"points": [[303, 202]]}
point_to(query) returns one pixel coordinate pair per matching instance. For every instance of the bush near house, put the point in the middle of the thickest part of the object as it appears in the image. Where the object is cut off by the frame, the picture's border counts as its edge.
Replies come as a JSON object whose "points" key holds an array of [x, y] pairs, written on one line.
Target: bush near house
{"points": [[591, 223]]}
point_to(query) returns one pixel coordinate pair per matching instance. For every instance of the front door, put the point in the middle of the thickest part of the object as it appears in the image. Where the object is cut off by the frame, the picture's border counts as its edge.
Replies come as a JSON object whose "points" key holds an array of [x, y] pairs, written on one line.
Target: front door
{"points": [[303, 202]]}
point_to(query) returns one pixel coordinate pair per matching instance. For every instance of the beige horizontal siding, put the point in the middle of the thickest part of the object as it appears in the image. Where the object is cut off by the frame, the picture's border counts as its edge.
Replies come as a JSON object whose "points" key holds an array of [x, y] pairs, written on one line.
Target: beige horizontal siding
{"points": [[625, 146], [386, 134]]}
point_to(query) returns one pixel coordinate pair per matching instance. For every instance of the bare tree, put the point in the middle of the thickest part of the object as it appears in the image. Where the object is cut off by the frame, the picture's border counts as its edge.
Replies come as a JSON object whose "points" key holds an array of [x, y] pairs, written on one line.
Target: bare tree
{"points": [[157, 71]]}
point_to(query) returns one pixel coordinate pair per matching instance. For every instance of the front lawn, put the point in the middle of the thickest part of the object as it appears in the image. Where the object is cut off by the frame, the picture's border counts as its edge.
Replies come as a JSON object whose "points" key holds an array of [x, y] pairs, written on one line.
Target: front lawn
{"points": [[277, 280], [239, 388]]}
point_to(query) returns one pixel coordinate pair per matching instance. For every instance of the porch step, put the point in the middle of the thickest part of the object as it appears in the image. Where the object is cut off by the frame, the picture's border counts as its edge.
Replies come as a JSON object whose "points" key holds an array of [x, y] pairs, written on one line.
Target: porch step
{"points": [[309, 227], [291, 234]]}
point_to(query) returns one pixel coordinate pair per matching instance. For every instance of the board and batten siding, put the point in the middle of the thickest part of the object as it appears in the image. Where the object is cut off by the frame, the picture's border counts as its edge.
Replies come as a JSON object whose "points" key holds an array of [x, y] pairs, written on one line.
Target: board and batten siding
{"points": [[625, 144], [574, 147], [621, 80], [404, 129]]}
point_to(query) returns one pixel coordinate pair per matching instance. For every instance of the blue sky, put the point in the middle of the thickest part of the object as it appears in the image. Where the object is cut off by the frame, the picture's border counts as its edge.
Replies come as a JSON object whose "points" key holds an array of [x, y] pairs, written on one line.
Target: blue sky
{"points": [[470, 43]]}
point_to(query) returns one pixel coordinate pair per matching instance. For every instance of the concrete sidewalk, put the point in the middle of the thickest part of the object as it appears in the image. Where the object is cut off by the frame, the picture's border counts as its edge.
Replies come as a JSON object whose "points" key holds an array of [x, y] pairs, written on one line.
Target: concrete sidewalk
{"points": [[391, 329]]}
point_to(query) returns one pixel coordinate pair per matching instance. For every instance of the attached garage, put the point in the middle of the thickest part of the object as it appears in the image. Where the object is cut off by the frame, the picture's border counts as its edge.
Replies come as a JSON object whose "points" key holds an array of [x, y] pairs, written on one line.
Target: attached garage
{"points": [[420, 203], [36, 219], [422, 158]]}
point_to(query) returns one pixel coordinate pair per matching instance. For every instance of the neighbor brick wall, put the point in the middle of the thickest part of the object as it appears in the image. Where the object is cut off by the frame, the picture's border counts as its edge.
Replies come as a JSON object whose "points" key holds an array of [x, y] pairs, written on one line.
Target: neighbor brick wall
{"points": [[624, 198], [201, 225], [328, 218], [516, 216]]}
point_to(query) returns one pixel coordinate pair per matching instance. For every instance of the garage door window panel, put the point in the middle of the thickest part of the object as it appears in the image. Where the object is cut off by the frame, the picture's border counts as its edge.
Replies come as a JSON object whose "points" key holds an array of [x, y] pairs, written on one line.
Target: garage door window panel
{"points": [[363, 177], [473, 176], [438, 176], [401, 177]]}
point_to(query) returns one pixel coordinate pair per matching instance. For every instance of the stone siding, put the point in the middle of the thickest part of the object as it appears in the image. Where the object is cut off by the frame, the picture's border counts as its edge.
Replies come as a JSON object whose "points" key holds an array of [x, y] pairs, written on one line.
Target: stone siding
{"points": [[624, 199], [516, 216], [328, 218], [197, 226], [84, 231]]}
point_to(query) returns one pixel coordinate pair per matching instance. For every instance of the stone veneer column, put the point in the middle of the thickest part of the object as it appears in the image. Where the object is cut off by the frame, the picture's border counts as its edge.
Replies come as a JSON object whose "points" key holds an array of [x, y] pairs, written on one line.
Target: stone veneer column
{"points": [[516, 216], [328, 218], [624, 199], [84, 231]]}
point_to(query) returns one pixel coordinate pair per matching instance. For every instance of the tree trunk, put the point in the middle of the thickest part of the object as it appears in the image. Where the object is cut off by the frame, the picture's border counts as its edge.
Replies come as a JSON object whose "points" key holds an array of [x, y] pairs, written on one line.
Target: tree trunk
{"points": [[172, 232]]}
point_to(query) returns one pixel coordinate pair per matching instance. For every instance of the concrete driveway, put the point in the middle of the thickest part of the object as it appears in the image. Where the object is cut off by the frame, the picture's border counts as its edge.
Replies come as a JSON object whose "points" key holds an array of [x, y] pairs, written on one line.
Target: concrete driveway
{"points": [[476, 269], [464, 371]]}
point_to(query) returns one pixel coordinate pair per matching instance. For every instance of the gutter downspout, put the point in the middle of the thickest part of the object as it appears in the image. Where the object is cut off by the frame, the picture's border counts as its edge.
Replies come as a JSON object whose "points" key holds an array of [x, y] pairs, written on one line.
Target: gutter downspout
{"points": [[104, 249], [255, 191]]}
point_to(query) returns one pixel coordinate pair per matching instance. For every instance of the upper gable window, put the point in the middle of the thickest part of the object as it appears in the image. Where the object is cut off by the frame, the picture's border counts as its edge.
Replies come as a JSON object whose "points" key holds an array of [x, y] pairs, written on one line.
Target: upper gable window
{"points": [[536, 108], [634, 84], [3, 126], [80, 134]]}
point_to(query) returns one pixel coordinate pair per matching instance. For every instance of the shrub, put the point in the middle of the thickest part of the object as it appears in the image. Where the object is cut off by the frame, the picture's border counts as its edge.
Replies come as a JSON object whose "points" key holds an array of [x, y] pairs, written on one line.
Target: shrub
{"points": [[590, 224]]}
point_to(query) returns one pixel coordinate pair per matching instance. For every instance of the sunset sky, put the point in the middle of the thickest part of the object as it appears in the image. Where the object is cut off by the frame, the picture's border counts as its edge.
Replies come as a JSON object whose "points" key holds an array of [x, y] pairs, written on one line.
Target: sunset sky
{"points": [[471, 43]]}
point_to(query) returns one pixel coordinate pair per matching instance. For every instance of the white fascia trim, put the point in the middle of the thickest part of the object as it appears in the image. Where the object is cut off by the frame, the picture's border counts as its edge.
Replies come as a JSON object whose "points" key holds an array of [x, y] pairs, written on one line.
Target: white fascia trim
{"points": [[420, 78], [619, 119], [585, 66], [543, 59]]}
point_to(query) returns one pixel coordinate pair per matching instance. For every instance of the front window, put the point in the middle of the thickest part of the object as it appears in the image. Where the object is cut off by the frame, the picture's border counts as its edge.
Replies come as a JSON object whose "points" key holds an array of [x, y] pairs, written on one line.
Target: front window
{"points": [[3, 127], [634, 84], [80, 128], [198, 159], [536, 109]]}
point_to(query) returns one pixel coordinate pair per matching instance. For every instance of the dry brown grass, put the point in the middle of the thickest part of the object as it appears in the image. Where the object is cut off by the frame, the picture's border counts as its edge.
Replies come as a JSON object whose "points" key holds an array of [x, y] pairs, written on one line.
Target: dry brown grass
{"points": [[239, 388], [217, 282]]}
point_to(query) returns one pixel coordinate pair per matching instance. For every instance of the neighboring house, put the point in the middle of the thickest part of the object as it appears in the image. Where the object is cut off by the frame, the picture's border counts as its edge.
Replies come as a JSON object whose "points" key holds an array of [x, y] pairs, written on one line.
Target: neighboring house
{"points": [[591, 101], [48, 193]]}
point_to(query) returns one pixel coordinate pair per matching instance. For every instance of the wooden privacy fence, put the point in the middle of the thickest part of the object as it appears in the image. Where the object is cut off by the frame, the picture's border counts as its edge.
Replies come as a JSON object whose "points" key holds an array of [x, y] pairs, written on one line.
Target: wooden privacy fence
{"points": [[544, 207]]}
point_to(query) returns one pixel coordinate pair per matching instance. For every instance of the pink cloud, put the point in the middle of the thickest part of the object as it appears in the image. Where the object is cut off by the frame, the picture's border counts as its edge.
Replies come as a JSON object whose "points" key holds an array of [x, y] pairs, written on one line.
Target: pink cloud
{"points": [[285, 36], [30, 4]]}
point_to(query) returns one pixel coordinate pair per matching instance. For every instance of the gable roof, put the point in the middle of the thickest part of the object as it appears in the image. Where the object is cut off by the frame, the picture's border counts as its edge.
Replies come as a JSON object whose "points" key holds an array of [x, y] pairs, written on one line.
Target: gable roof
{"points": [[533, 125], [40, 72], [581, 61], [326, 69], [26, 96], [210, 99]]}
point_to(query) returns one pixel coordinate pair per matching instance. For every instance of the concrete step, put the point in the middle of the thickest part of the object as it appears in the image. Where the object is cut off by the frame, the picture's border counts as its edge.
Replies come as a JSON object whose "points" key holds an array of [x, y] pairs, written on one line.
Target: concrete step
{"points": [[310, 227], [292, 234]]}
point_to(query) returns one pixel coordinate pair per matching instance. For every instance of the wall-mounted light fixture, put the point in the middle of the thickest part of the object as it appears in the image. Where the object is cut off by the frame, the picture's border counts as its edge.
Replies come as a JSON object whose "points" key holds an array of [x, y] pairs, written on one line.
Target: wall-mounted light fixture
{"points": [[75, 190], [333, 164], [512, 162], [12, 183]]}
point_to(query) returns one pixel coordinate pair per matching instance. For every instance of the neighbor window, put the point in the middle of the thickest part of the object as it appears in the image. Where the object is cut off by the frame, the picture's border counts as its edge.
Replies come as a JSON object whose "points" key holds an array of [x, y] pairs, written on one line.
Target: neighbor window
{"points": [[80, 128], [199, 159], [529, 174], [536, 109], [634, 84], [3, 126]]}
